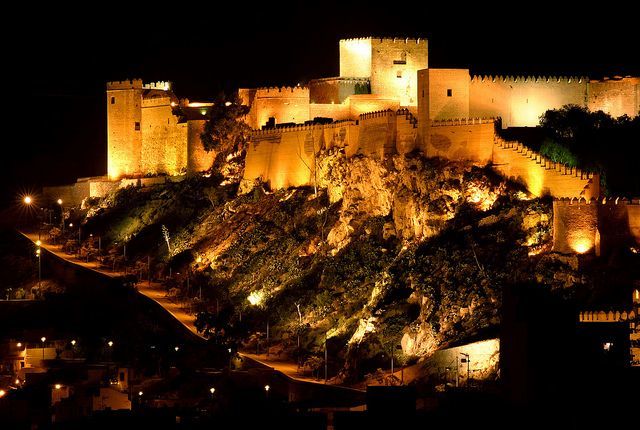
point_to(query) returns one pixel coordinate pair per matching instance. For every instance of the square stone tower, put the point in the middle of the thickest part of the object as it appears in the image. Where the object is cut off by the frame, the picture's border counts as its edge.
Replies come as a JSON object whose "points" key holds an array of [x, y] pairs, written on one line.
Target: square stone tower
{"points": [[124, 135], [391, 65]]}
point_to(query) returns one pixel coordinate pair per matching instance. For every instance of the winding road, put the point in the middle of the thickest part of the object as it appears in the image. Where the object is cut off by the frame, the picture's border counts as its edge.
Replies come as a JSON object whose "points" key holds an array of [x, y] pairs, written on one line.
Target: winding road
{"points": [[156, 292]]}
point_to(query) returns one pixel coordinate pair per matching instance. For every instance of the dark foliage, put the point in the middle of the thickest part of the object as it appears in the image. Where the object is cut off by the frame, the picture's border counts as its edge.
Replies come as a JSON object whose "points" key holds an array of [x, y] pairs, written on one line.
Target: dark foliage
{"points": [[597, 142]]}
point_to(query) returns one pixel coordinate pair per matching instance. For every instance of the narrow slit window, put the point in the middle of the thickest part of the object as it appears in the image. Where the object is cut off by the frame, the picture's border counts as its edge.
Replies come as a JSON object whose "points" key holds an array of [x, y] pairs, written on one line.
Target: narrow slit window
{"points": [[137, 125], [113, 100], [449, 92]]}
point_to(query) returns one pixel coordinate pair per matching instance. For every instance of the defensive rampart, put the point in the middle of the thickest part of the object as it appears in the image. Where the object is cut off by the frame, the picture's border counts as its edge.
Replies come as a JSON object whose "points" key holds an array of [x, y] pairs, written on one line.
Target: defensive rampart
{"points": [[540, 175]]}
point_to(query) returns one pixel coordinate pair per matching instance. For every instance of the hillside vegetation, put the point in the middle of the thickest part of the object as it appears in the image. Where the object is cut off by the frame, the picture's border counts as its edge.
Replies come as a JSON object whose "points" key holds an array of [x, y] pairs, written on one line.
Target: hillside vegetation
{"points": [[407, 252]]}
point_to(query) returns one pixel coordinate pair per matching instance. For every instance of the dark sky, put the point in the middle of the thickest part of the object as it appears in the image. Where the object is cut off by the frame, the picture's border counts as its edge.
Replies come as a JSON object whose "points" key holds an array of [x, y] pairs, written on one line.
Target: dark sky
{"points": [[61, 57]]}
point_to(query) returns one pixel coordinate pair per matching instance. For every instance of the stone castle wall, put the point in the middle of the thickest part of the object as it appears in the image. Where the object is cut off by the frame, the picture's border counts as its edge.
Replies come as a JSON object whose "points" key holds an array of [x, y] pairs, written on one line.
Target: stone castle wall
{"points": [[540, 175], [355, 58], [394, 67], [575, 226], [124, 138], [461, 140], [283, 157], [377, 137], [618, 96], [336, 90], [284, 104], [520, 100], [599, 226], [446, 93], [164, 139]]}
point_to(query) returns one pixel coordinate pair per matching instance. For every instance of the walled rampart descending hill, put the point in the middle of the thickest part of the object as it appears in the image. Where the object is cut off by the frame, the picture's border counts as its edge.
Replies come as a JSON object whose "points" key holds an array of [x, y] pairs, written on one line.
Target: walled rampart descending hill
{"points": [[541, 175]]}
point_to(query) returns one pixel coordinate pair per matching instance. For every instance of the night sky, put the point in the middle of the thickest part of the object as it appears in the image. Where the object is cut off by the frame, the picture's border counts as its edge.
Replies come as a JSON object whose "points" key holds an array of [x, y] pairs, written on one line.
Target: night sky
{"points": [[54, 90]]}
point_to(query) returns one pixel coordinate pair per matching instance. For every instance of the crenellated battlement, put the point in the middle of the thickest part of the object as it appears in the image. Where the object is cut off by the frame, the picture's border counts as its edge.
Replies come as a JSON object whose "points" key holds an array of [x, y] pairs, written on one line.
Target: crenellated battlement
{"points": [[405, 40], [461, 121], [286, 91], [529, 79], [159, 85], [605, 201], [286, 129], [547, 164], [339, 124], [127, 84], [607, 316], [340, 79], [377, 114]]}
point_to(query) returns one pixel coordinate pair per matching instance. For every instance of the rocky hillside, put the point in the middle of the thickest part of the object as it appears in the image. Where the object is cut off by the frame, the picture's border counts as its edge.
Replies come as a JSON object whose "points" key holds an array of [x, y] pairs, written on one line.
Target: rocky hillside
{"points": [[409, 251]]}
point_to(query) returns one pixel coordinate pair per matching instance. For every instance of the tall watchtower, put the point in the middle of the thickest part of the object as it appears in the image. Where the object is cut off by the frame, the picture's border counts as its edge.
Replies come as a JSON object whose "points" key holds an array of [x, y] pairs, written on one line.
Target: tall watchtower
{"points": [[124, 135], [391, 65]]}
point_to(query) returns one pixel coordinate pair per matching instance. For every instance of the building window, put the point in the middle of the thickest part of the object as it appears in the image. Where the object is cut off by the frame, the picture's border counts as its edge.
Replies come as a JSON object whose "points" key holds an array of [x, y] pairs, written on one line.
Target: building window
{"points": [[402, 60], [113, 100], [137, 125], [449, 92]]}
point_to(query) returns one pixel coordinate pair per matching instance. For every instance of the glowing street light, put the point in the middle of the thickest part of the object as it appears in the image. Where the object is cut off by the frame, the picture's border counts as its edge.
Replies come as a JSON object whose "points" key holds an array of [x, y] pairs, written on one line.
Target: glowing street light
{"points": [[43, 340], [110, 343], [59, 201], [73, 342], [140, 393], [2, 393], [177, 348], [266, 391], [39, 255], [38, 242], [212, 390], [27, 200], [57, 386]]}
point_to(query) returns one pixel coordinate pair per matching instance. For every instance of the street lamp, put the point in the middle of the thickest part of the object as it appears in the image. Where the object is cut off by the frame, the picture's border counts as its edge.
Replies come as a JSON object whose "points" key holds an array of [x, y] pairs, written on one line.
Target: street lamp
{"points": [[43, 340], [39, 255], [27, 200], [468, 361], [266, 390]]}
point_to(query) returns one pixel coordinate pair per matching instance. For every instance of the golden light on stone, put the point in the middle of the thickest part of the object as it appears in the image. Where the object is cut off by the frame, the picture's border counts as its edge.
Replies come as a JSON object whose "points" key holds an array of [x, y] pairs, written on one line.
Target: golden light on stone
{"points": [[582, 245], [256, 298]]}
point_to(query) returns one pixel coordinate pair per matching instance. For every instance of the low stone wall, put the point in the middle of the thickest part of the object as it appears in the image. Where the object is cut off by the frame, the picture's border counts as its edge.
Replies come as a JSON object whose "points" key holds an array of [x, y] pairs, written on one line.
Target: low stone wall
{"points": [[484, 358]]}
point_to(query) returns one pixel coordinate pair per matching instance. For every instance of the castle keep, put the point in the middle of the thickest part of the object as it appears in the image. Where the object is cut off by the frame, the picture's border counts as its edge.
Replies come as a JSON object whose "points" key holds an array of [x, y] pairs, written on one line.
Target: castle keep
{"points": [[151, 132], [385, 101]]}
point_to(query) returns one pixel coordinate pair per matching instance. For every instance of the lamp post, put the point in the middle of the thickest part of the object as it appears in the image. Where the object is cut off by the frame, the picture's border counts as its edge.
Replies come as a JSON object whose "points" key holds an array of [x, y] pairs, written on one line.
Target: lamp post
{"points": [[325, 357], [266, 391], [466, 359], [39, 255], [43, 340]]}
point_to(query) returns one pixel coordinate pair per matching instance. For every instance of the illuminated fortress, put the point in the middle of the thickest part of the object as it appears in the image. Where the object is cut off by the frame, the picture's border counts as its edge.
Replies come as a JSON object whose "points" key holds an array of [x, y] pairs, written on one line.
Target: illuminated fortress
{"points": [[386, 102]]}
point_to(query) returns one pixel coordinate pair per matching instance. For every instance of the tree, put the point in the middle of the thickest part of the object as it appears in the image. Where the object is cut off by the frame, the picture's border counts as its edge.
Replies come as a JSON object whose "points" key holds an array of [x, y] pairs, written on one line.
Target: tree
{"points": [[225, 132], [594, 141]]}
